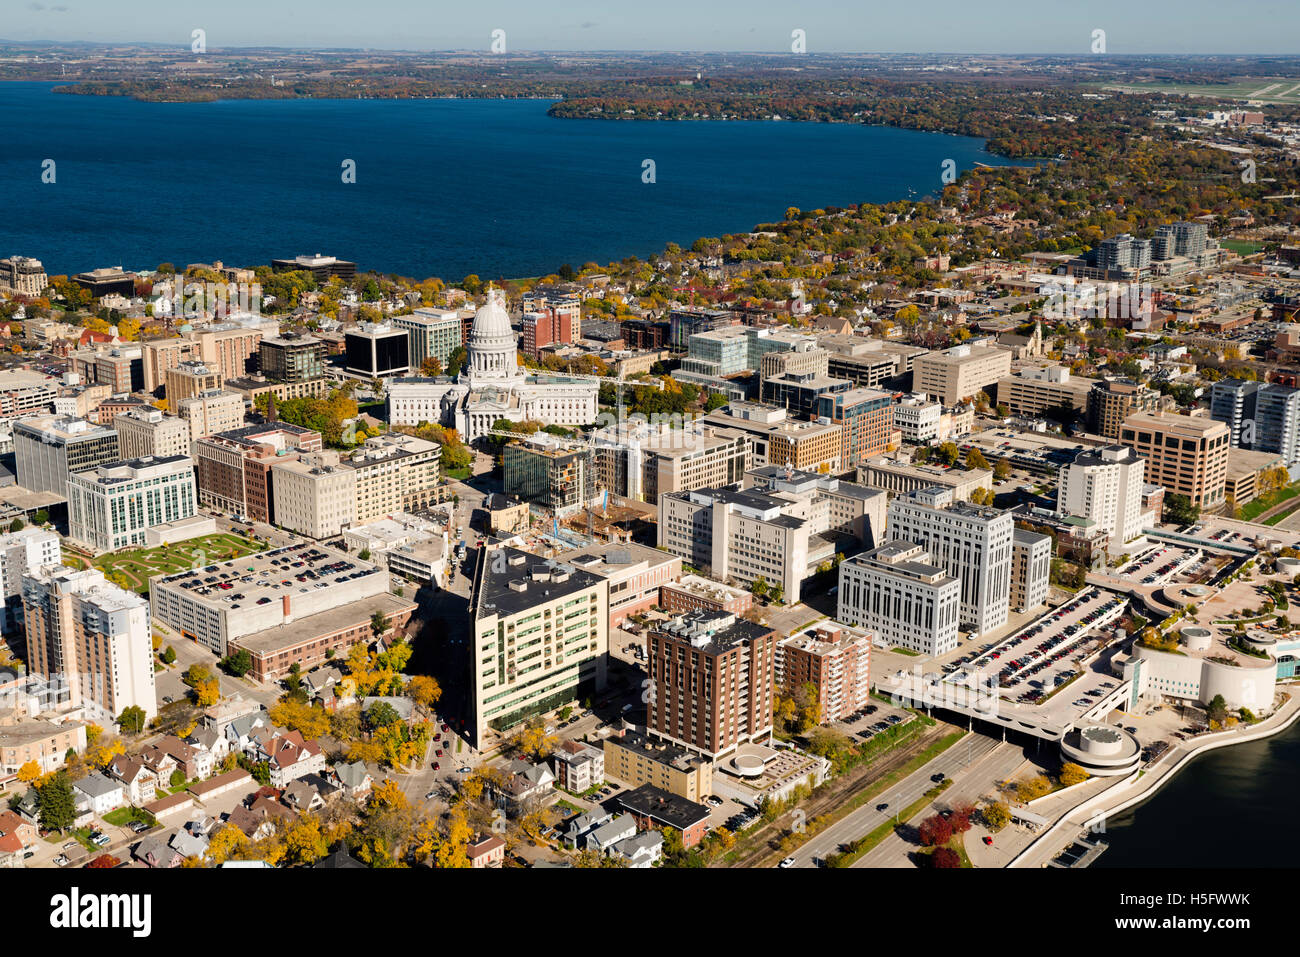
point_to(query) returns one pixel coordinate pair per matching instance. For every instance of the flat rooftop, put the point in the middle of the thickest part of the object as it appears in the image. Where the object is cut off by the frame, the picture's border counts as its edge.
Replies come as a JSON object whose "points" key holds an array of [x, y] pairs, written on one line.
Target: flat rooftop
{"points": [[267, 576], [351, 615]]}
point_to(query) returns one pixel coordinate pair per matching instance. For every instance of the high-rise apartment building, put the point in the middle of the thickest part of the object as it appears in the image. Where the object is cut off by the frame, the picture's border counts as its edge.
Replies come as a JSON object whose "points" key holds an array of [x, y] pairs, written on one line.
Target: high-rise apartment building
{"points": [[211, 412], [432, 334], [188, 379], [394, 473], [558, 478], [1111, 401], [114, 505], [1261, 416], [90, 638], [643, 461], [835, 661], [313, 495], [973, 543], [292, 358], [24, 275], [711, 682], [22, 553], [1105, 486]]}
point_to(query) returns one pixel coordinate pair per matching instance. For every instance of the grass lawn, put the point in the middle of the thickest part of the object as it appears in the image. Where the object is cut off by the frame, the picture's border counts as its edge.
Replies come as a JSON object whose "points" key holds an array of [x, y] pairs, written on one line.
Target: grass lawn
{"points": [[899, 649], [1242, 247], [1262, 504], [458, 474], [1289, 510], [956, 843], [125, 815], [138, 565]]}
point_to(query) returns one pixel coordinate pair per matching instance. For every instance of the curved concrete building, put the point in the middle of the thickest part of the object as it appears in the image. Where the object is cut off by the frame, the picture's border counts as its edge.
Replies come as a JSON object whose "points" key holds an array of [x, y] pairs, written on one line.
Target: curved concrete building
{"points": [[1102, 750]]}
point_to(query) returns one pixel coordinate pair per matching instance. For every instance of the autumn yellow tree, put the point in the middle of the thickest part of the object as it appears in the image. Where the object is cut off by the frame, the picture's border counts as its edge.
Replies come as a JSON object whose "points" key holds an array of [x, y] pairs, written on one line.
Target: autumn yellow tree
{"points": [[208, 693], [304, 842], [29, 772], [453, 850], [300, 716], [224, 842], [424, 691]]}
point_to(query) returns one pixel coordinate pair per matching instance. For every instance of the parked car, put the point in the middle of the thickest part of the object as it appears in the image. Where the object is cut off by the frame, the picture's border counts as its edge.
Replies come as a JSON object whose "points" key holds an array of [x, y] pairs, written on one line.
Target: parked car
{"points": [[786, 862]]}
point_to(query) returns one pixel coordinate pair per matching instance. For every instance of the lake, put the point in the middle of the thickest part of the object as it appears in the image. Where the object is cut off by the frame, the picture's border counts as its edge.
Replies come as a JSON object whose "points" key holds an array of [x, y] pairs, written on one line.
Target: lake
{"points": [[443, 187]]}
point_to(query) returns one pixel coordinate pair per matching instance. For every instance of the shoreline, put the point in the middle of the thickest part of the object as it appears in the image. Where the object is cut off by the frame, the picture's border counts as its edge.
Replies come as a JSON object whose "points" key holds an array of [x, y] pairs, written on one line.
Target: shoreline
{"points": [[1096, 809]]}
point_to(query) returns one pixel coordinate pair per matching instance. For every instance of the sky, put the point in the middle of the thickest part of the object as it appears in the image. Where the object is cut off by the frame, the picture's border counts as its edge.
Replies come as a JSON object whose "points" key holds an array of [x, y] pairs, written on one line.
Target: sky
{"points": [[830, 26]]}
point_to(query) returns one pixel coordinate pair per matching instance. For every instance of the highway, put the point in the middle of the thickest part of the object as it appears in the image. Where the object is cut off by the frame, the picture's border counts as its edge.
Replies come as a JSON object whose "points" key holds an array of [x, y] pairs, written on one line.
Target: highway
{"points": [[866, 818]]}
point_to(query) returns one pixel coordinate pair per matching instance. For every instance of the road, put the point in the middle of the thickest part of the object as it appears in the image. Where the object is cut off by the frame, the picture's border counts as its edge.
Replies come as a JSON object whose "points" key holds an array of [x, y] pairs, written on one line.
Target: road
{"points": [[975, 781], [866, 818]]}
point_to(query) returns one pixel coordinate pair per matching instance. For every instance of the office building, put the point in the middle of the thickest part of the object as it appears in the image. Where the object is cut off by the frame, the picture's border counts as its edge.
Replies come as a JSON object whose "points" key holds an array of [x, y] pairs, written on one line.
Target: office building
{"points": [[899, 593], [291, 358], [22, 553], [1031, 567], [559, 478], [431, 334], [802, 394], [147, 432], [835, 661], [807, 446], [902, 478], [114, 505], [322, 268], [545, 327], [313, 495], [1187, 455], [234, 468], [374, 351], [960, 372], [541, 638], [643, 462], [972, 543], [49, 448], [866, 420], [711, 682], [211, 412], [107, 281], [871, 363], [835, 507], [1105, 485], [1032, 392], [684, 323], [90, 640], [917, 418]]}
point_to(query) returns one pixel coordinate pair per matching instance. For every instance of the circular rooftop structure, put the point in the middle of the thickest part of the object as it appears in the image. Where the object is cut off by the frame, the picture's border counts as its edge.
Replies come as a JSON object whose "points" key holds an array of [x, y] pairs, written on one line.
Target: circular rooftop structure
{"points": [[1197, 638], [1197, 591], [748, 765], [1102, 750], [1290, 566]]}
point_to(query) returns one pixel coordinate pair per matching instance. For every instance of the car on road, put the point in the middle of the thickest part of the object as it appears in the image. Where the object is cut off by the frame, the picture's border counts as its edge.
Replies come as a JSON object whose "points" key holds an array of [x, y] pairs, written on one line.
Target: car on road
{"points": [[938, 776], [786, 862], [430, 795], [60, 860], [882, 806], [463, 770], [987, 839], [438, 752], [437, 766], [139, 827], [446, 728]]}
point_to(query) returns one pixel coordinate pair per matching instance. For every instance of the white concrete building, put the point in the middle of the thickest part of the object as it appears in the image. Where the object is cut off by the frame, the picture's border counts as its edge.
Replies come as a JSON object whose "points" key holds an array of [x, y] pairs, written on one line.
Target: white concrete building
{"points": [[21, 553], [971, 542], [1105, 485], [1031, 569], [90, 638], [898, 592], [114, 505], [918, 418], [211, 412]]}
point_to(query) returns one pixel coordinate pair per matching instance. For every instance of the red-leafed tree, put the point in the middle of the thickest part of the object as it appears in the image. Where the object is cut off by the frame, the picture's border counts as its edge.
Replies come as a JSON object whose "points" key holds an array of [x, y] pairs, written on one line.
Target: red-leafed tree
{"points": [[104, 860], [945, 857], [935, 829], [960, 819]]}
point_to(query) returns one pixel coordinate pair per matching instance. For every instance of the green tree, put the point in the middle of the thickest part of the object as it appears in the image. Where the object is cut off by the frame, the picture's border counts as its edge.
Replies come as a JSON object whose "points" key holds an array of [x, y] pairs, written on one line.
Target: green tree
{"points": [[381, 714], [169, 655], [17, 525], [1002, 471], [132, 720], [238, 664], [1179, 510], [975, 459], [58, 809]]}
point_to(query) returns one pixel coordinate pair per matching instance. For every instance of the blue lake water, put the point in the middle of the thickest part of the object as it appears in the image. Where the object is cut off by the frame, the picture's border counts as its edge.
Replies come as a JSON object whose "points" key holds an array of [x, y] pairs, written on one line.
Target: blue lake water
{"points": [[443, 187]]}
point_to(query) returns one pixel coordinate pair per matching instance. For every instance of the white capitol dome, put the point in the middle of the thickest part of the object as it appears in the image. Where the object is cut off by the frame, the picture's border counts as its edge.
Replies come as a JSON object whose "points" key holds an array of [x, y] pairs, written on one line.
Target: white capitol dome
{"points": [[492, 321], [492, 343]]}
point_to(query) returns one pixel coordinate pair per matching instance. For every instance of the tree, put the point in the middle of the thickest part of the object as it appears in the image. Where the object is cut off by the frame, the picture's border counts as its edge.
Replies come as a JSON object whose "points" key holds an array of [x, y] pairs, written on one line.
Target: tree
{"points": [[29, 772], [996, 815], [1217, 709], [169, 655], [227, 839], [975, 459], [1072, 774], [381, 715], [424, 691], [104, 861], [195, 675], [945, 857], [58, 809], [17, 525], [238, 664], [1033, 788], [948, 453], [935, 829], [132, 719], [1002, 471], [379, 625], [759, 587], [177, 778], [716, 400], [1179, 510], [301, 717], [208, 693], [304, 842]]}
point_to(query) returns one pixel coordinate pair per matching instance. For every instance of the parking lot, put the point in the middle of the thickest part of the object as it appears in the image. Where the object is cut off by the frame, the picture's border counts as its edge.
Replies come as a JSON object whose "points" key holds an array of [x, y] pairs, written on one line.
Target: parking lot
{"points": [[869, 721], [1046, 653], [1162, 565]]}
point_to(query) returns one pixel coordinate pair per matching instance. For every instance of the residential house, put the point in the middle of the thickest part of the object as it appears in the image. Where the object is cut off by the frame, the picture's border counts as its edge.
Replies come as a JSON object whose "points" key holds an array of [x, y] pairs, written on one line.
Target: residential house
{"points": [[197, 763], [578, 826], [210, 741], [287, 753], [141, 783], [302, 796], [17, 836], [527, 786], [603, 838], [155, 850], [487, 851], [578, 766], [98, 794], [354, 779], [642, 850]]}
